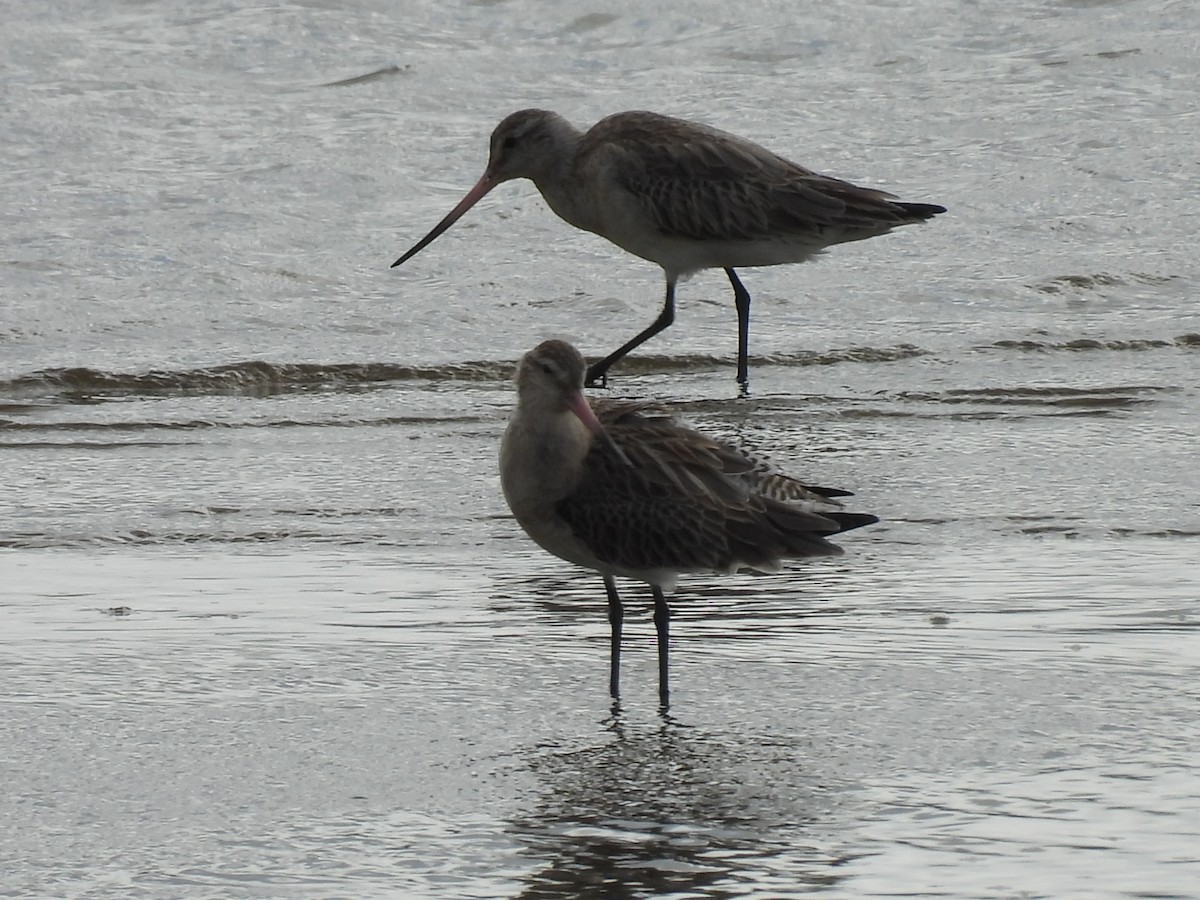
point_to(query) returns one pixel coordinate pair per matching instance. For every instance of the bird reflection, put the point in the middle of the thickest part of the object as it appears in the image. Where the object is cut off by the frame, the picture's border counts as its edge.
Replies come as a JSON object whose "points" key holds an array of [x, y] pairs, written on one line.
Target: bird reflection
{"points": [[751, 606], [664, 808]]}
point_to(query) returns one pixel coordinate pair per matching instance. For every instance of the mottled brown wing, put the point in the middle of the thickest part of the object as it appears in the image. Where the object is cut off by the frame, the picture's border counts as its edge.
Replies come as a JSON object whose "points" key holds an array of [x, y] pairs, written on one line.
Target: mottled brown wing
{"points": [[680, 501], [700, 183]]}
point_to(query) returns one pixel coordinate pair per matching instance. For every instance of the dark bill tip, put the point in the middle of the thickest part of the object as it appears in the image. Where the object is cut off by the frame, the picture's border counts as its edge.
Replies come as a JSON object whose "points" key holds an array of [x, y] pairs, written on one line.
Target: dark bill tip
{"points": [[485, 184]]}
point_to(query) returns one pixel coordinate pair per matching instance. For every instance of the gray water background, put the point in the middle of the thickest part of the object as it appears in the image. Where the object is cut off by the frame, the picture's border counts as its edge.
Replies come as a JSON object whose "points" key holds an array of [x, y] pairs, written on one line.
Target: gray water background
{"points": [[266, 629]]}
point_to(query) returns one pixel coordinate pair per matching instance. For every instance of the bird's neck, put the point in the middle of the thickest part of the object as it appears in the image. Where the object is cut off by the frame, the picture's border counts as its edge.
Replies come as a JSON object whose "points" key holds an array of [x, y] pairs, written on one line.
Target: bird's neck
{"points": [[541, 457], [564, 198], [558, 180]]}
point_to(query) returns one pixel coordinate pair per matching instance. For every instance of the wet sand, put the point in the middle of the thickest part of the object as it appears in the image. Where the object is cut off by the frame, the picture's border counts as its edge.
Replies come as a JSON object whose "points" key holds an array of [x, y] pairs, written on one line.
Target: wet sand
{"points": [[1012, 719]]}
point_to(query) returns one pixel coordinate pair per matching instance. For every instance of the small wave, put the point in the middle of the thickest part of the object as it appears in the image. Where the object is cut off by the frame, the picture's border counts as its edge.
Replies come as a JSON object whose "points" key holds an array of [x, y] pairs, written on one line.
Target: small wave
{"points": [[146, 538], [999, 402], [1095, 532], [384, 72], [651, 364], [1082, 344], [1117, 395], [220, 524], [15, 427], [254, 378], [259, 378], [1081, 283], [90, 446], [48, 541]]}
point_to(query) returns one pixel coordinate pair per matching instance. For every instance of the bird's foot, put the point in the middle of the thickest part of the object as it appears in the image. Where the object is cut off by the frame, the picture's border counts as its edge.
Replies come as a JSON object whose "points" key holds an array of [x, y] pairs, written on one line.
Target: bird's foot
{"points": [[596, 380]]}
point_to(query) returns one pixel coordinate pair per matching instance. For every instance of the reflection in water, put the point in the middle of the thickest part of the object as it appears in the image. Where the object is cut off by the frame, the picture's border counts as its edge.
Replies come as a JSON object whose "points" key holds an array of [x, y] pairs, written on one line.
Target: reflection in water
{"points": [[753, 618], [666, 808], [745, 604]]}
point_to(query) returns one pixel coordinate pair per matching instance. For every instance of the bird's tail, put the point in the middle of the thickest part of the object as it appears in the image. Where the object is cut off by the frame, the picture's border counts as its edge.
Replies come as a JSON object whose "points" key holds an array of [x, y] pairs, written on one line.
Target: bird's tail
{"points": [[919, 212], [849, 521]]}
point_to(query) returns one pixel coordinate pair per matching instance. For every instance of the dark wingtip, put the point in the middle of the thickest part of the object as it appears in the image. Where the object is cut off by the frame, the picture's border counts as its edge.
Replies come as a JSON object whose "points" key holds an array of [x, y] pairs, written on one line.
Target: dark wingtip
{"points": [[829, 492], [849, 521], [921, 211]]}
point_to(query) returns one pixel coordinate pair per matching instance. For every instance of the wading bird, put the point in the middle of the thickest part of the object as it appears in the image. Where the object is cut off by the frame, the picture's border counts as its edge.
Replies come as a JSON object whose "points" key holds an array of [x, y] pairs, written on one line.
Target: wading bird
{"points": [[682, 195], [621, 487]]}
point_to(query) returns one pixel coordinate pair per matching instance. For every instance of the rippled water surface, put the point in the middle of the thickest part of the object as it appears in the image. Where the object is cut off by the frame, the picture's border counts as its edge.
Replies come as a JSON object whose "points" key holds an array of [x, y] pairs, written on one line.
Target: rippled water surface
{"points": [[267, 630]]}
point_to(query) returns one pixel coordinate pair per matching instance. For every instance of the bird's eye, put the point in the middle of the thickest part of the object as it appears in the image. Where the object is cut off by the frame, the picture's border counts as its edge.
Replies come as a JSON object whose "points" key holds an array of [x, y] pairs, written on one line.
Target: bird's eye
{"points": [[547, 369], [508, 143]]}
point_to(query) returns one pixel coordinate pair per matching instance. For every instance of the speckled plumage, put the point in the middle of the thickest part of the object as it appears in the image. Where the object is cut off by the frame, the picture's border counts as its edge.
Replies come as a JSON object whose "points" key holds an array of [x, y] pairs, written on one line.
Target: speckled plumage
{"points": [[688, 503], [623, 488], [707, 185], [683, 195]]}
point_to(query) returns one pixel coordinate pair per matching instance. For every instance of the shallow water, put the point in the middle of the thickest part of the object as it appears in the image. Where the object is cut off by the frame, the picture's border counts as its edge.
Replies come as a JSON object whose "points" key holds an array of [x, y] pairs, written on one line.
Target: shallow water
{"points": [[268, 630]]}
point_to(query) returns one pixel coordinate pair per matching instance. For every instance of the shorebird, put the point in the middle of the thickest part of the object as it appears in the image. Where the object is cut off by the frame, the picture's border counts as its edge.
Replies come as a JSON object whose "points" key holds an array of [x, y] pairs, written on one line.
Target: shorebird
{"points": [[682, 195], [623, 488]]}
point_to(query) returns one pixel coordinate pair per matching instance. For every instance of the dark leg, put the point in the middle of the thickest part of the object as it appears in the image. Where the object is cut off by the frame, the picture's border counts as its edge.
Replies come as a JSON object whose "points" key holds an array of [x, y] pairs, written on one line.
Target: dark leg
{"points": [[741, 298], [662, 624], [616, 615], [596, 371]]}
